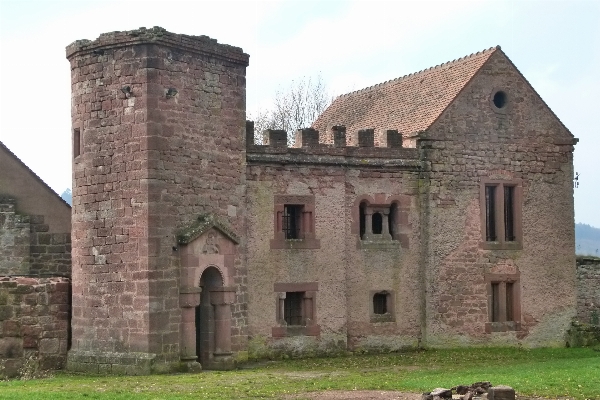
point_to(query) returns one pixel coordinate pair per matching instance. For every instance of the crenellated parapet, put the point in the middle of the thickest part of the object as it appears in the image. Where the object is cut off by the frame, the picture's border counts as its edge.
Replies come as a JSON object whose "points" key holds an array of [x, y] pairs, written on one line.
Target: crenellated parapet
{"points": [[365, 148]]}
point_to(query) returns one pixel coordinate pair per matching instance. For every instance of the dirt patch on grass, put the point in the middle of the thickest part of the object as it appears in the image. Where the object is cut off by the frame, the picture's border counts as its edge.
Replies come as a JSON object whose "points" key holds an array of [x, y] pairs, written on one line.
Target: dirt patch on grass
{"points": [[370, 395], [357, 395]]}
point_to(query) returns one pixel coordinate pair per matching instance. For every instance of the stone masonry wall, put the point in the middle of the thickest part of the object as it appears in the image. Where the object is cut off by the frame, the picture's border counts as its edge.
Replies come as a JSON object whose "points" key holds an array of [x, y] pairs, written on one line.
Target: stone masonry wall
{"points": [[588, 290], [14, 240], [522, 144], [34, 324], [334, 175], [27, 246], [161, 121]]}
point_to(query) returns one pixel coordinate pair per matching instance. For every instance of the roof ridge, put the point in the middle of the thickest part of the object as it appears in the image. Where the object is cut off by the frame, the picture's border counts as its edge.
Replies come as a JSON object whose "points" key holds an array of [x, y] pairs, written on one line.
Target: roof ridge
{"points": [[435, 67]]}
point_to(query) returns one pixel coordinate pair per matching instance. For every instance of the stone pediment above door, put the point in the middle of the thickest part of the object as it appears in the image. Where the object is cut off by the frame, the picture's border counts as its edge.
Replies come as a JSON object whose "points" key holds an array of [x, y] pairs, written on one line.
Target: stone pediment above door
{"points": [[206, 242], [203, 224]]}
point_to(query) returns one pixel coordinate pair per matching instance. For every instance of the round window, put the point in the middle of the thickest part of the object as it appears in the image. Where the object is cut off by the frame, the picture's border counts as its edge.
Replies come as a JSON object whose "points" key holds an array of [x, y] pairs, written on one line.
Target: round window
{"points": [[499, 99]]}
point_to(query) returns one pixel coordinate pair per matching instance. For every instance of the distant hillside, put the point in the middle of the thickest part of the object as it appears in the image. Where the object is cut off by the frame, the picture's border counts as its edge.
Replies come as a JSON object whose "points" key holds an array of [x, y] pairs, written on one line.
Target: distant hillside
{"points": [[587, 240], [67, 196]]}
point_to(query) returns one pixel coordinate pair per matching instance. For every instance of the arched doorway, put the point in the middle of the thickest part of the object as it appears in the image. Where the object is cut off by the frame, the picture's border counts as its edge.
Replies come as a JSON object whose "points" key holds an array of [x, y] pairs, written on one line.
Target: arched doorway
{"points": [[205, 317]]}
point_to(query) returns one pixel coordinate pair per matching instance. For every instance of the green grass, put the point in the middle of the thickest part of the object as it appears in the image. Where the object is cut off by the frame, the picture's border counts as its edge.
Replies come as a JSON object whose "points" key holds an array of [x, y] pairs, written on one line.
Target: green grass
{"points": [[573, 373]]}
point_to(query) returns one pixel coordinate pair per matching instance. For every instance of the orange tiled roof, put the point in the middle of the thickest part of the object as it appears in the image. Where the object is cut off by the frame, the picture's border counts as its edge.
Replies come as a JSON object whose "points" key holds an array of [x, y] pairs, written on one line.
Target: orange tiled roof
{"points": [[409, 104]]}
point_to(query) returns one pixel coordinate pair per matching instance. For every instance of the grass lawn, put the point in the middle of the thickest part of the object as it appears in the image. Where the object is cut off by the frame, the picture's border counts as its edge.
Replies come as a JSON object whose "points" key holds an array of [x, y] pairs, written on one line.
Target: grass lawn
{"points": [[573, 373]]}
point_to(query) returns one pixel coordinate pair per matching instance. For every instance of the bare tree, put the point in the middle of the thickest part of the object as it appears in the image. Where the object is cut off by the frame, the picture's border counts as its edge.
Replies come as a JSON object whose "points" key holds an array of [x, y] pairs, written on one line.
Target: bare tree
{"points": [[296, 107]]}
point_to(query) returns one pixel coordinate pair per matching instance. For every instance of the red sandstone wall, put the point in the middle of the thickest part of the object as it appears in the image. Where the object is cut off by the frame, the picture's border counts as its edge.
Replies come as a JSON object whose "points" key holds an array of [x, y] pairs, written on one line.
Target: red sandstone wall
{"points": [[391, 268], [197, 166], [34, 324], [346, 273], [151, 161], [525, 142]]}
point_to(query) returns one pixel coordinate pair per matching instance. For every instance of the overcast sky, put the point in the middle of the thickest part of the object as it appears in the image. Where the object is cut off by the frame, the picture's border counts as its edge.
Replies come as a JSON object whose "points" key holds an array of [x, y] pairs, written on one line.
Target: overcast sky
{"points": [[351, 44]]}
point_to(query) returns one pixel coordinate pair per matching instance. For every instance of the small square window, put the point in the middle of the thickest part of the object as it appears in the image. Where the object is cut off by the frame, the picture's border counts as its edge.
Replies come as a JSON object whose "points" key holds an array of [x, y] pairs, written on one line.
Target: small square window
{"points": [[382, 306], [292, 309], [294, 222], [296, 309], [380, 303]]}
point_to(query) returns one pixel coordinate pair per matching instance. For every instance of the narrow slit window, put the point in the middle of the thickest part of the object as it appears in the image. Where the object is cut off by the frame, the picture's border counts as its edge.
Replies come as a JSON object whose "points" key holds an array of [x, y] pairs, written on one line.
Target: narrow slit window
{"points": [[392, 218], [495, 302], [292, 313], [509, 213], [490, 213], [76, 142], [509, 301], [377, 223], [362, 211]]}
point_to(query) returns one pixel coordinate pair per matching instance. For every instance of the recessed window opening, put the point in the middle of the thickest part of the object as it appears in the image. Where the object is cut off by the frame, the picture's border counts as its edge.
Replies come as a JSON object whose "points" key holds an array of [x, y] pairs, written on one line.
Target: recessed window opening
{"points": [[292, 311], [392, 218], [503, 298], [362, 208], [377, 223], [499, 99], [509, 301], [380, 303], [509, 213], [495, 302], [490, 213], [292, 221], [76, 142]]}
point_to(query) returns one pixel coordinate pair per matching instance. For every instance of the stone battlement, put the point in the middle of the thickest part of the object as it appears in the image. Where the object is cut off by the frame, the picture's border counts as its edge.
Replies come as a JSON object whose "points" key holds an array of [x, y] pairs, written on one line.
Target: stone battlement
{"points": [[366, 147], [195, 44]]}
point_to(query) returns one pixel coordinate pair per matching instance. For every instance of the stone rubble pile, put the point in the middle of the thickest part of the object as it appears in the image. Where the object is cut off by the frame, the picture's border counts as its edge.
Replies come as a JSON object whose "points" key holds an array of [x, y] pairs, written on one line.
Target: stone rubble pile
{"points": [[476, 391]]}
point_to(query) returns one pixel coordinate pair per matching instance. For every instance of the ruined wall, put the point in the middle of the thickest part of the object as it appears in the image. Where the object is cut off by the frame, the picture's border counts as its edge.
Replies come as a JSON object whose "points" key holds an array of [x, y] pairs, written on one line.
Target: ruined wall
{"points": [[521, 143], [34, 324], [329, 175], [27, 247], [588, 290], [158, 129], [14, 240]]}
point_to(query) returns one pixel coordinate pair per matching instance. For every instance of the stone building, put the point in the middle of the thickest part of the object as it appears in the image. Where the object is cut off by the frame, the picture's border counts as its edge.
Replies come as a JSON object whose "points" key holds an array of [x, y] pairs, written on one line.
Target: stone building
{"points": [[35, 265], [435, 209]]}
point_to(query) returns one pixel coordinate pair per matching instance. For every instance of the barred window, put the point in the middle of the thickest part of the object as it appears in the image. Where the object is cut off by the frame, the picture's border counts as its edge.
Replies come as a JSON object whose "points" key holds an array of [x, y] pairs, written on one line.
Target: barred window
{"points": [[292, 221]]}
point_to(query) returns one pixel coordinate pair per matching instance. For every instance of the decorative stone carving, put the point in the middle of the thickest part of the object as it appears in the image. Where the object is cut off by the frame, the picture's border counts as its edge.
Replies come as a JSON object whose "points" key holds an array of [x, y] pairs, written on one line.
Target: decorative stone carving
{"points": [[211, 246]]}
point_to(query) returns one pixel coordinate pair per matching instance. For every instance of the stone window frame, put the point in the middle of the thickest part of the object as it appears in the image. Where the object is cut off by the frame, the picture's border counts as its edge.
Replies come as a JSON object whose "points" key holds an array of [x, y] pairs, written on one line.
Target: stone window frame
{"points": [[309, 310], [308, 238], [503, 325], [501, 243], [390, 315], [382, 203]]}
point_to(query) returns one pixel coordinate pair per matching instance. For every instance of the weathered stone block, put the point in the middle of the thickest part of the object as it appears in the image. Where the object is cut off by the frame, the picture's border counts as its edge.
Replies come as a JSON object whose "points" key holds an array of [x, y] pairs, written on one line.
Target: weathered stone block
{"points": [[49, 345], [11, 347], [501, 393]]}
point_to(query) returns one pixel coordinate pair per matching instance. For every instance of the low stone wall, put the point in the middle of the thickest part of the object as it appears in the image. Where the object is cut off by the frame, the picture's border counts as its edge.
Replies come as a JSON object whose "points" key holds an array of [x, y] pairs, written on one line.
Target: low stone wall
{"points": [[588, 290], [34, 324]]}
